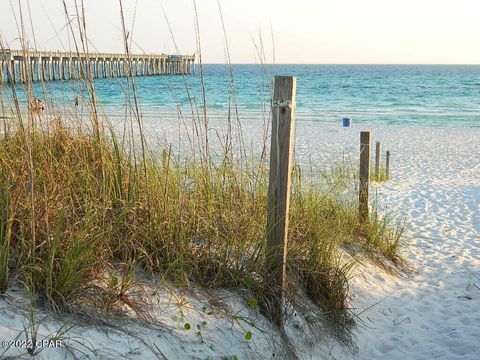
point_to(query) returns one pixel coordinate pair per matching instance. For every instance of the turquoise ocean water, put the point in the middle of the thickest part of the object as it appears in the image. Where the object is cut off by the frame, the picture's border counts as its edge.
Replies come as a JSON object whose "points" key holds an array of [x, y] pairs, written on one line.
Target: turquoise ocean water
{"points": [[438, 95]]}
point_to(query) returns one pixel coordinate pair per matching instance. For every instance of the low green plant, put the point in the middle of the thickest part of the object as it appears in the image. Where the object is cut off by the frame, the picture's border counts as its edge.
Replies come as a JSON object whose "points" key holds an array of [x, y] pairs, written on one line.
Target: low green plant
{"points": [[383, 234], [381, 176]]}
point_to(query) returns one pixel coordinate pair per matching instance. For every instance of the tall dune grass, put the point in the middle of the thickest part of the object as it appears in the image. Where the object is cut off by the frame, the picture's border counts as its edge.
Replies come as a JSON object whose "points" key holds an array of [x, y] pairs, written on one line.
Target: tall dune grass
{"points": [[178, 219]]}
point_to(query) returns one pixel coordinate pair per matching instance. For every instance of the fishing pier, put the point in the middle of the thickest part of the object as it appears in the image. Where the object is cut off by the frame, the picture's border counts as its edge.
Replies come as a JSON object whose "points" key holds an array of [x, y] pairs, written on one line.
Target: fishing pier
{"points": [[17, 66]]}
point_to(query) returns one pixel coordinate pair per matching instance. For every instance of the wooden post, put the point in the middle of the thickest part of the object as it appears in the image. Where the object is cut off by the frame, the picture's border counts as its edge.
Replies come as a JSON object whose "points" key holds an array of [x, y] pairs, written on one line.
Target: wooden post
{"points": [[387, 165], [377, 160], [281, 155], [364, 176]]}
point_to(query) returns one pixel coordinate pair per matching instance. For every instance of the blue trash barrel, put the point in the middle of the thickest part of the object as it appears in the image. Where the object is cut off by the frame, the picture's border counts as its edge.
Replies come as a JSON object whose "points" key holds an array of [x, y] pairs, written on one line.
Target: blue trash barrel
{"points": [[346, 122]]}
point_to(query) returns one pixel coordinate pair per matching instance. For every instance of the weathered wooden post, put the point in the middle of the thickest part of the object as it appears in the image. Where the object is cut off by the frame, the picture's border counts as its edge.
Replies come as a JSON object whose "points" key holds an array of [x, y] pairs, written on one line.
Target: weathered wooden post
{"points": [[387, 165], [364, 176], [281, 156], [377, 160]]}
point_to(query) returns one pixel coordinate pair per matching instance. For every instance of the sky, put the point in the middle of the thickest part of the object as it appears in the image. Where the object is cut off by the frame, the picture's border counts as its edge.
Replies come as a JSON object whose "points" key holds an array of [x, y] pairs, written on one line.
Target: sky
{"points": [[291, 31]]}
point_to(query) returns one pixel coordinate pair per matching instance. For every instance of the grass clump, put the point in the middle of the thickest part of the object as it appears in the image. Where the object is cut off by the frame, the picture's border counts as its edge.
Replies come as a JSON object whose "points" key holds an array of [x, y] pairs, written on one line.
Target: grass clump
{"points": [[85, 206], [381, 237], [381, 176]]}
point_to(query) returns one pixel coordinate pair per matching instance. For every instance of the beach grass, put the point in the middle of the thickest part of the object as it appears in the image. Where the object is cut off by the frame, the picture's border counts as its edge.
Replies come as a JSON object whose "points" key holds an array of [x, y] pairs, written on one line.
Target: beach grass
{"points": [[381, 176], [74, 208]]}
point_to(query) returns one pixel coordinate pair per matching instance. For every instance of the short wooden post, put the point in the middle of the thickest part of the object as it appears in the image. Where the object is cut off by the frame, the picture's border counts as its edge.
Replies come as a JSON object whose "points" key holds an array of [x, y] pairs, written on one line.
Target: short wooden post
{"points": [[281, 155], [364, 176], [377, 160], [387, 165]]}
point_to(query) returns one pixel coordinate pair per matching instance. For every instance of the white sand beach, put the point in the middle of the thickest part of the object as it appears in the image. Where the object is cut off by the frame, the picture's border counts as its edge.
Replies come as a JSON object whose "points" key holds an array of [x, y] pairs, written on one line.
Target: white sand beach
{"points": [[435, 312], [431, 313]]}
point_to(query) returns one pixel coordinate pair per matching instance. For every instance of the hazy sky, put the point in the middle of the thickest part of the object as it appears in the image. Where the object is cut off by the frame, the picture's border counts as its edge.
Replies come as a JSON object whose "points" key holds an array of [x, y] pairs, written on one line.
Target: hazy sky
{"points": [[304, 31]]}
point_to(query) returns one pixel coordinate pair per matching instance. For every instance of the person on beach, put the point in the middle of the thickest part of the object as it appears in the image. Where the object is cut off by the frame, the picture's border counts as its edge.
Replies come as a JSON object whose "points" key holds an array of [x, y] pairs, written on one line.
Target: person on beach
{"points": [[76, 101], [36, 105]]}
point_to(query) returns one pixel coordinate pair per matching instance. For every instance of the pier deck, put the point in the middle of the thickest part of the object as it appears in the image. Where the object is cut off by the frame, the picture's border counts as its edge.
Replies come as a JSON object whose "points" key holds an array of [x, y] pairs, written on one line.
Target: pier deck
{"points": [[18, 65]]}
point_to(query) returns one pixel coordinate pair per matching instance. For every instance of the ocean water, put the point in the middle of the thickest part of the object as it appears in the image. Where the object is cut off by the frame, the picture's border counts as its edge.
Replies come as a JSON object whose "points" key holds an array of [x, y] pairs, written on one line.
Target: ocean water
{"points": [[436, 95]]}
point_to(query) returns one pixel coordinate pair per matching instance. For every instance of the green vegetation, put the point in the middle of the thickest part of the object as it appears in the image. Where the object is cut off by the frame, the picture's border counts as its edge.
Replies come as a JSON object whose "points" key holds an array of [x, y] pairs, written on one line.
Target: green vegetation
{"points": [[381, 176], [75, 207]]}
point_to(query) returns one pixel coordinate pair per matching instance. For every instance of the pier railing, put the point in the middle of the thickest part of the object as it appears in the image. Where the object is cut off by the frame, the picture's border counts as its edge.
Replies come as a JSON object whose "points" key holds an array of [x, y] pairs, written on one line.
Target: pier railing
{"points": [[21, 65]]}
